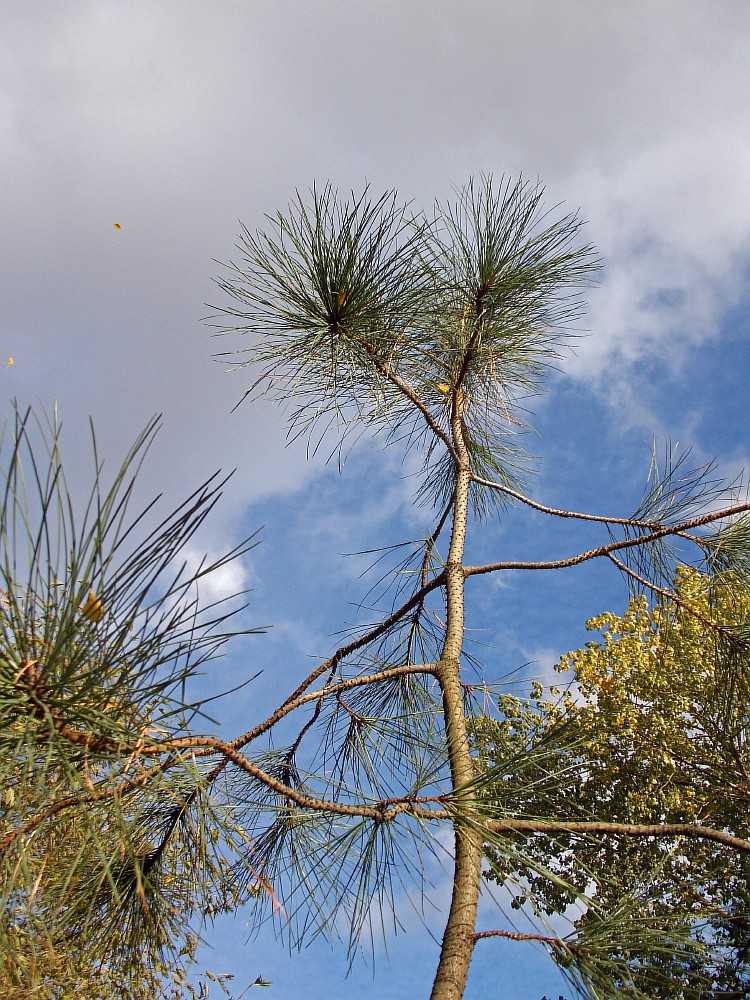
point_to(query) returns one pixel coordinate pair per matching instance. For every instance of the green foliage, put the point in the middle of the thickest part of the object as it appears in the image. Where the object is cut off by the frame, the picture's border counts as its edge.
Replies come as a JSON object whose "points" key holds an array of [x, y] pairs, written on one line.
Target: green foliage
{"points": [[108, 849], [364, 315], [652, 730]]}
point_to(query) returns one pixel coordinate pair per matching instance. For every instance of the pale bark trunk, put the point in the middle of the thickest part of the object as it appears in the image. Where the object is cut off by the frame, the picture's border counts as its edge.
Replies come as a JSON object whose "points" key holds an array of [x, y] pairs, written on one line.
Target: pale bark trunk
{"points": [[458, 938]]}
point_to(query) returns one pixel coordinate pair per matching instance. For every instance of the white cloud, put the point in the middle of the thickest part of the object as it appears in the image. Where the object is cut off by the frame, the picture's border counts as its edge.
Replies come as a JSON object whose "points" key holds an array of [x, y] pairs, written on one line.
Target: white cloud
{"points": [[221, 584], [674, 226], [176, 120]]}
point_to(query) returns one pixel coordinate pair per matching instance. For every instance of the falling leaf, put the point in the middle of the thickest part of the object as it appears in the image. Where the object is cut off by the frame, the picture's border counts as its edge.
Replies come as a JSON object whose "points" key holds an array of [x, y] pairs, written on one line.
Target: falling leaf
{"points": [[10, 361], [443, 387], [116, 225], [93, 609]]}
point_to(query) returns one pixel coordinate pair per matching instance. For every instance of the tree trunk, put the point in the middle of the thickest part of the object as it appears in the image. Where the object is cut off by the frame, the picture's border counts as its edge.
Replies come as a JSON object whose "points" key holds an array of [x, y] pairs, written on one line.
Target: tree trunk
{"points": [[458, 938]]}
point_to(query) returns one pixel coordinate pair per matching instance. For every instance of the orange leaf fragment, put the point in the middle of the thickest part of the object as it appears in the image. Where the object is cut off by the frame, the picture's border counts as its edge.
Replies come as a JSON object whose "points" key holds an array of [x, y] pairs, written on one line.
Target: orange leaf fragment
{"points": [[93, 609]]}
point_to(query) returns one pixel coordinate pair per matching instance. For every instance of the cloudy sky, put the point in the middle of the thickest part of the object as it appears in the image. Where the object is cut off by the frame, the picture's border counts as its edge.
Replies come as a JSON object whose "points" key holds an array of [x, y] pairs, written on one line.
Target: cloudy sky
{"points": [[178, 120]]}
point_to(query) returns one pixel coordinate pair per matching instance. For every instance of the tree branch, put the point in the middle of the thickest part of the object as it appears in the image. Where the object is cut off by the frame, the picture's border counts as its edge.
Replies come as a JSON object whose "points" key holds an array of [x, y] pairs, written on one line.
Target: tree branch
{"points": [[333, 661], [553, 942], [669, 595], [406, 390], [353, 682], [557, 512], [693, 830], [604, 550], [73, 800]]}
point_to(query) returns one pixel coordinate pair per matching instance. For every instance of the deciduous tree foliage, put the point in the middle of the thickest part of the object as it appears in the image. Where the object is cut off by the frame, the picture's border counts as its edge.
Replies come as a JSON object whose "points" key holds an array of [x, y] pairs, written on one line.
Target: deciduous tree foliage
{"points": [[653, 728], [427, 332]]}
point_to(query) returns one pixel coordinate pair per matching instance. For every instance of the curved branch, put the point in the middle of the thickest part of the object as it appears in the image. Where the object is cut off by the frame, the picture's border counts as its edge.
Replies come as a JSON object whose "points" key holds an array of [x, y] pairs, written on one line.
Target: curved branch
{"points": [[557, 512], [353, 682], [417, 402], [410, 394], [604, 550], [381, 812], [333, 661], [670, 596], [73, 800], [553, 942]]}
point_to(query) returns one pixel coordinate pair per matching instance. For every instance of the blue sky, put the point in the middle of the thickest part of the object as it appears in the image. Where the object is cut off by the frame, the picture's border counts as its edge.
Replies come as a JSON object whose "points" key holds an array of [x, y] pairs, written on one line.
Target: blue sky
{"points": [[179, 120]]}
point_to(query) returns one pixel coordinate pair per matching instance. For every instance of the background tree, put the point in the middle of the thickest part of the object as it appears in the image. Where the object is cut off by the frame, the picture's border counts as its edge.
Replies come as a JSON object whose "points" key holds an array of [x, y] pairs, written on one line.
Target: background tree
{"points": [[429, 333], [654, 727]]}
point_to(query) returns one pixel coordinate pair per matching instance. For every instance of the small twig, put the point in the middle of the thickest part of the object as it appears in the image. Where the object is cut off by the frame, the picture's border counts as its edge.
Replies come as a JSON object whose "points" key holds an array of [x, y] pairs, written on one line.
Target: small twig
{"points": [[558, 512], [333, 661], [553, 942], [669, 595]]}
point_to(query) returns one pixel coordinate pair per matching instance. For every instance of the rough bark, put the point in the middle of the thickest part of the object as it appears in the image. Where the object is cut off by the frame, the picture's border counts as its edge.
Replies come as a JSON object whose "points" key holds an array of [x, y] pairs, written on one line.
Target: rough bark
{"points": [[458, 937]]}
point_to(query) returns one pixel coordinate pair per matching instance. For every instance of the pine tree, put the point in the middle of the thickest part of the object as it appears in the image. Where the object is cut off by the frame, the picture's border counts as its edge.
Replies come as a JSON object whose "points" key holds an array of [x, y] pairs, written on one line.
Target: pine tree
{"points": [[427, 333], [430, 332]]}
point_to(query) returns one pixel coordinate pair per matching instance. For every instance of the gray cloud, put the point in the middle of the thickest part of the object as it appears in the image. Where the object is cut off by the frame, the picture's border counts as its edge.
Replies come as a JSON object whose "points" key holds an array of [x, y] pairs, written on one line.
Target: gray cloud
{"points": [[177, 119]]}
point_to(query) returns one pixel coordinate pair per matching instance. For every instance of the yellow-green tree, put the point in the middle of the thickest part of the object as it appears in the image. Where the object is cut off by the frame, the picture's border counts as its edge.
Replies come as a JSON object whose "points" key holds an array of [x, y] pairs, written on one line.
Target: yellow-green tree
{"points": [[651, 731]]}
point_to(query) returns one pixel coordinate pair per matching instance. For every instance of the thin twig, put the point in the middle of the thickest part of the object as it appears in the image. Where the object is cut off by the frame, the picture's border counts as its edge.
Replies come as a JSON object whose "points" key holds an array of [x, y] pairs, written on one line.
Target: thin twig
{"points": [[669, 595], [333, 661], [553, 942]]}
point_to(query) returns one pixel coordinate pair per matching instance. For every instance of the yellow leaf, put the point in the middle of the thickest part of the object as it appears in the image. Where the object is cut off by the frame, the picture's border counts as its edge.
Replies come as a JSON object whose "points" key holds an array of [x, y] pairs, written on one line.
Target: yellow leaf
{"points": [[443, 387], [10, 361], [116, 225], [93, 609]]}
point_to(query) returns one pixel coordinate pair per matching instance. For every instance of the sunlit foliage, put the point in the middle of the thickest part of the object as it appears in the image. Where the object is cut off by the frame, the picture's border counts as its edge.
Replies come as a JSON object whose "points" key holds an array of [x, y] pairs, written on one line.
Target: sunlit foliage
{"points": [[653, 728]]}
